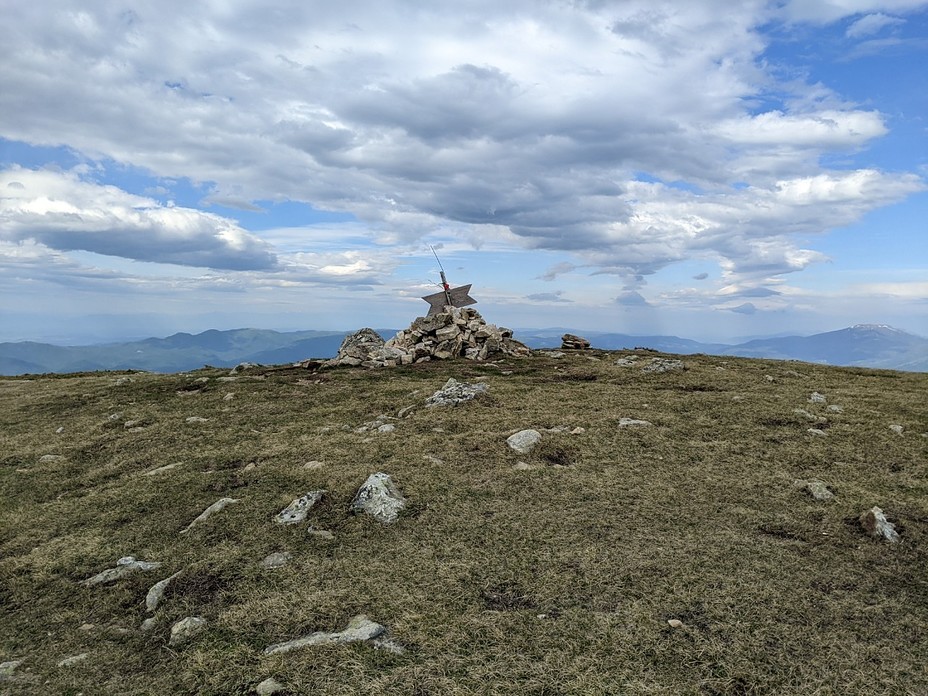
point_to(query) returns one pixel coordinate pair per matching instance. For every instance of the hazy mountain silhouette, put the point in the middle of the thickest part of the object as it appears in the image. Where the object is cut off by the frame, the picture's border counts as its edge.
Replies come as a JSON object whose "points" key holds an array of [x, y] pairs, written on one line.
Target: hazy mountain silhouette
{"points": [[864, 345]]}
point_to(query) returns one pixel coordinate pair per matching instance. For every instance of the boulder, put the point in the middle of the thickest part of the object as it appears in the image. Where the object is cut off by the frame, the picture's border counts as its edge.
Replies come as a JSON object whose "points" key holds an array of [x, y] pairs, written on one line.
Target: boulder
{"points": [[524, 441], [876, 525], [379, 497], [572, 342]]}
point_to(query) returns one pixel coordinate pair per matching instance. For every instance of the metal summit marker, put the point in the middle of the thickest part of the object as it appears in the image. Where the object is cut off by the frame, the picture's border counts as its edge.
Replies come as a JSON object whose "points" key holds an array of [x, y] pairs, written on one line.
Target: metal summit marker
{"points": [[448, 297]]}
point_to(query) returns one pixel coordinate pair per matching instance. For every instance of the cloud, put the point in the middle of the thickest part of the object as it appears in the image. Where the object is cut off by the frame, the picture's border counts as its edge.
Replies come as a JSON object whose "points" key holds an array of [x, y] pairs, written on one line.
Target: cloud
{"points": [[67, 213], [700, 276], [631, 298], [871, 24], [547, 297], [556, 270], [746, 308], [521, 121]]}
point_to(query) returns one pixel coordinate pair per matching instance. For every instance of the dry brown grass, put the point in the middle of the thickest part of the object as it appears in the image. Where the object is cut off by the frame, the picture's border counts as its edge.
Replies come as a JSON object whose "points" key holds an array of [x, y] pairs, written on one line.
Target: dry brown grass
{"points": [[555, 580]]}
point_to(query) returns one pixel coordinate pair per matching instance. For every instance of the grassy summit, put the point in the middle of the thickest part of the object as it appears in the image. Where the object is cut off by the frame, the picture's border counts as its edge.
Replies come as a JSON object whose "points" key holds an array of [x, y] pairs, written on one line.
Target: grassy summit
{"points": [[556, 577]]}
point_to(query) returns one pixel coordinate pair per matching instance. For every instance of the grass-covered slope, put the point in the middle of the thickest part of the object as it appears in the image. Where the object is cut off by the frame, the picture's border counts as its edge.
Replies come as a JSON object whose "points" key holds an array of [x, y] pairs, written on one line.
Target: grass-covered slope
{"points": [[559, 578]]}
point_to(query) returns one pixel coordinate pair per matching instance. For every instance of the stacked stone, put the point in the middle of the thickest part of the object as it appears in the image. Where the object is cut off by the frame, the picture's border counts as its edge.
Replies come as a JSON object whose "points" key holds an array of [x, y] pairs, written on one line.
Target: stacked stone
{"points": [[456, 332], [572, 342]]}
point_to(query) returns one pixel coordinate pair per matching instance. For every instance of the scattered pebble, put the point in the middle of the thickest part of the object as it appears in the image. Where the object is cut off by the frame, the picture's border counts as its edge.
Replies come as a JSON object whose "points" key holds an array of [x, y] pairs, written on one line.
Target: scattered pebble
{"points": [[386, 428], [896, 429], [250, 466], [124, 380], [320, 533], [817, 489], [148, 624], [431, 459], [49, 458], [313, 465], [59, 431], [834, 408], [816, 432], [675, 623], [522, 466], [816, 398], [196, 419], [86, 627], [228, 397]]}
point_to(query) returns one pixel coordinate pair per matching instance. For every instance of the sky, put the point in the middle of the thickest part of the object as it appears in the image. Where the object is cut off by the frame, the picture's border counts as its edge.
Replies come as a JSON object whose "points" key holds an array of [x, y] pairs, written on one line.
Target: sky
{"points": [[708, 169]]}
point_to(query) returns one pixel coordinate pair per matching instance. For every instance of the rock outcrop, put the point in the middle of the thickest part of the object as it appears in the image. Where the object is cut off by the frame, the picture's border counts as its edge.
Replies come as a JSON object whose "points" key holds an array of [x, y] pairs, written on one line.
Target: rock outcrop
{"points": [[572, 342], [458, 332]]}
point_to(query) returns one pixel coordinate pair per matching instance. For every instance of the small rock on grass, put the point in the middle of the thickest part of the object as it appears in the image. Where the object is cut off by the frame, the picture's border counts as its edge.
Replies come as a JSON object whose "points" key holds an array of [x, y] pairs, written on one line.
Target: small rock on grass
{"points": [[379, 497], [524, 441], [297, 511], [360, 628], [186, 630], [817, 489], [898, 429], [320, 533], [816, 432], [675, 623], [816, 398], [626, 422], [73, 660], [153, 598], [124, 566], [876, 525], [8, 668], [278, 559], [215, 507], [269, 686]]}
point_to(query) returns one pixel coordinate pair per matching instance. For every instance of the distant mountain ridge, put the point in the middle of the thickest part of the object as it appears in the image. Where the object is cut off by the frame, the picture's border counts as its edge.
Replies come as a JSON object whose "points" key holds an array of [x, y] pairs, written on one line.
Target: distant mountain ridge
{"points": [[863, 345]]}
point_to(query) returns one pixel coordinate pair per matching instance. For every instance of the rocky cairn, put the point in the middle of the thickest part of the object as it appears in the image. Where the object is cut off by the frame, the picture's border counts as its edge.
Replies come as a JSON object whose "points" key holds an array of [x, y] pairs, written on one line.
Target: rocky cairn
{"points": [[455, 333], [572, 342]]}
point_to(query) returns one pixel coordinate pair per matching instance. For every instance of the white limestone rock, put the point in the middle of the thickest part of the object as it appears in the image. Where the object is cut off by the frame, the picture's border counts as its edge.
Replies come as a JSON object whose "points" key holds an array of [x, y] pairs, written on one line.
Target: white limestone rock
{"points": [[297, 511], [896, 428], [156, 592], [633, 422], [214, 508], [186, 630], [73, 660], [876, 525], [379, 497], [658, 365], [269, 686], [360, 628], [816, 432], [816, 398], [278, 559], [817, 489], [124, 566], [454, 393], [524, 441]]}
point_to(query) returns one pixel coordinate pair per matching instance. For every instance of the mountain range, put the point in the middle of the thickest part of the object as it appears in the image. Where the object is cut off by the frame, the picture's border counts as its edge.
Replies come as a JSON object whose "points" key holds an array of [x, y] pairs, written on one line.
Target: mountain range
{"points": [[864, 345]]}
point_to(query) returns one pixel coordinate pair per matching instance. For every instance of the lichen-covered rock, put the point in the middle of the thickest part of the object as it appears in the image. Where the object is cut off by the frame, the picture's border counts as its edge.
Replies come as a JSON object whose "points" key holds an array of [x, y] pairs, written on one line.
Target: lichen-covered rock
{"points": [[269, 686], [208, 512], [297, 511], [658, 365], [186, 630], [817, 489], [124, 566], [360, 628], [153, 598], [454, 393], [278, 559], [524, 441], [379, 497], [876, 525]]}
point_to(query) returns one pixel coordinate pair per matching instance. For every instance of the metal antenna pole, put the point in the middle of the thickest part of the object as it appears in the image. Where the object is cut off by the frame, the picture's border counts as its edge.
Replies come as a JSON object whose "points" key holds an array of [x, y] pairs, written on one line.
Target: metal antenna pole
{"points": [[444, 281]]}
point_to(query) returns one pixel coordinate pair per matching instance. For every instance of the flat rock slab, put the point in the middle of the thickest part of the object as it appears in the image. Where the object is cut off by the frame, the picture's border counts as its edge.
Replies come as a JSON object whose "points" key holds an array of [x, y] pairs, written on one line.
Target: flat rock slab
{"points": [[124, 566], [72, 660], [633, 422], [454, 393], [297, 511], [360, 628], [663, 365], [379, 497], [524, 441], [215, 507], [278, 559]]}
